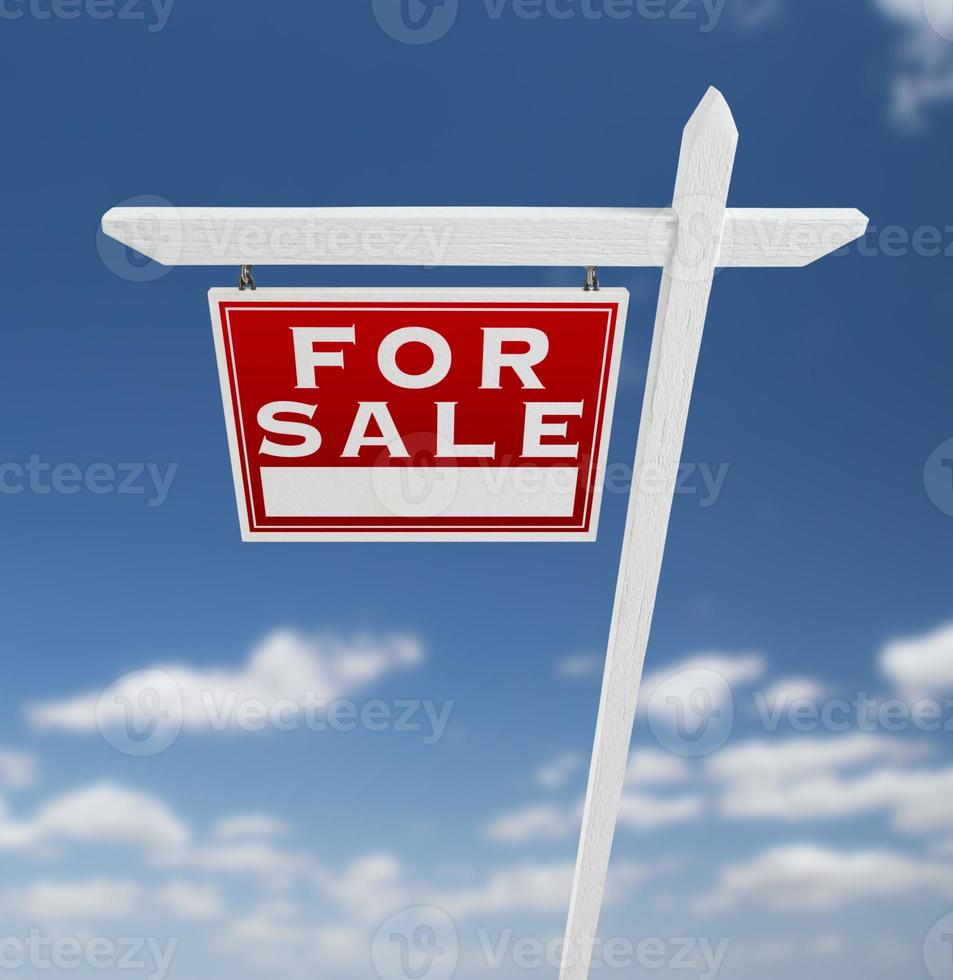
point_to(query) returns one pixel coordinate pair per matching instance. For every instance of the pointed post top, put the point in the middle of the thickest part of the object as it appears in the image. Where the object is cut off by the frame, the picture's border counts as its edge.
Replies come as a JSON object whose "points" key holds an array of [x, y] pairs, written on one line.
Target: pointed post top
{"points": [[702, 179], [712, 115], [707, 154]]}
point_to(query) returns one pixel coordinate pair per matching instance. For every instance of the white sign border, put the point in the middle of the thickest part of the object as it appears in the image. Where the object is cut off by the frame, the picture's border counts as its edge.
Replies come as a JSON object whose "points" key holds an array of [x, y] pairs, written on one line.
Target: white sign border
{"points": [[415, 296]]}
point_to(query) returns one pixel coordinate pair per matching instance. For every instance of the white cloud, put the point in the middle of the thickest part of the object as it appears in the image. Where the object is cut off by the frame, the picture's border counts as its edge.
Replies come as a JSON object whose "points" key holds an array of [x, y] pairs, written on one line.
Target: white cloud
{"points": [[342, 944], [282, 937], [109, 814], [541, 822], [908, 11], [272, 866], [641, 812], [652, 767], [370, 889], [816, 778], [822, 946], [375, 887], [287, 667], [733, 669], [920, 666], [919, 801], [580, 666], [533, 888], [548, 822], [811, 877], [244, 825], [690, 705], [271, 924], [188, 900], [827, 944], [525, 887], [103, 813], [922, 71], [556, 773], [59, 901], [782, 760], [772, 950], [923, 76], [18, 770], [789, 690]]}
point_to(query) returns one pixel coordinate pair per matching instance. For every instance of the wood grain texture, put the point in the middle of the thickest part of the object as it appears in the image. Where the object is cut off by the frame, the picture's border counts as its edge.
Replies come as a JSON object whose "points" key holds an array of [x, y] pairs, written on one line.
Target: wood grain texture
{"points": [[432, 237], [701, 190]]}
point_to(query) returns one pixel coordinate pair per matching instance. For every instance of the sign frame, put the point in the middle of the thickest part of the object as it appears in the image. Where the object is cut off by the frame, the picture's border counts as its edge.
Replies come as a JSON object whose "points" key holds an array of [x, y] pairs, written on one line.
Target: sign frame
{"points": [[221, 300]]}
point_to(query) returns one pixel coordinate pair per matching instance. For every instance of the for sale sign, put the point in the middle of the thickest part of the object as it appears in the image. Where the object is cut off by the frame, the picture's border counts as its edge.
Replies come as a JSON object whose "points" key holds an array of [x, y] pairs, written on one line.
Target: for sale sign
{"points": [[422, 416]]}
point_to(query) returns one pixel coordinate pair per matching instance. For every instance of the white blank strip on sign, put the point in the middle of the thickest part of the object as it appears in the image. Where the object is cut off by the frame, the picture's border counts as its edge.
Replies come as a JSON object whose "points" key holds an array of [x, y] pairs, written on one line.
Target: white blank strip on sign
{"points": [[404, 491]]}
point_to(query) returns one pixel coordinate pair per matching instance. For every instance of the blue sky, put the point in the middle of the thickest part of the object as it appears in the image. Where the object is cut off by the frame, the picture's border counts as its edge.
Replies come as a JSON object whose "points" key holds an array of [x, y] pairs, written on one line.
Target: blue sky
{"points": [[819, 570]]}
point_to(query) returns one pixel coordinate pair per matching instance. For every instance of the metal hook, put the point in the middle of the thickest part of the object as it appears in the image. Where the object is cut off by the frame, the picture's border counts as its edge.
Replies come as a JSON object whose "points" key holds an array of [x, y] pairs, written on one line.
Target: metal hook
{"points": [[245, 279], [592, 279]]}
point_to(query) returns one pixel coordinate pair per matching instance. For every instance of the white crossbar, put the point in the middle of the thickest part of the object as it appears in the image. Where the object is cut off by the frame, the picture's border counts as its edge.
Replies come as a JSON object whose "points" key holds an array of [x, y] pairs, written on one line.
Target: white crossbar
{"points": [[434, 237]]}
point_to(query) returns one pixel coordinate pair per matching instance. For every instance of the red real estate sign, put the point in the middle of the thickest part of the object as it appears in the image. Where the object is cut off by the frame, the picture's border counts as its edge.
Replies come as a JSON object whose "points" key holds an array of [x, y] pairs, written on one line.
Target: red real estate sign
{"points": [[418, 415]]}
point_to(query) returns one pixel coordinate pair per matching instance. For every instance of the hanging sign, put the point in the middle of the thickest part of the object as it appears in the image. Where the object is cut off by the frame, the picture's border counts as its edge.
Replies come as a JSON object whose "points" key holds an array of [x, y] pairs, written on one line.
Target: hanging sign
{"points": [[418, 415]]}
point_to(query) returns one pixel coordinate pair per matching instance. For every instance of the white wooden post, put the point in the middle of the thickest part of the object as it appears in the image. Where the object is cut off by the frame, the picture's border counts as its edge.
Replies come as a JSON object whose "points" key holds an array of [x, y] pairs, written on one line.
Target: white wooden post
{"points": [[701, 191]]}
